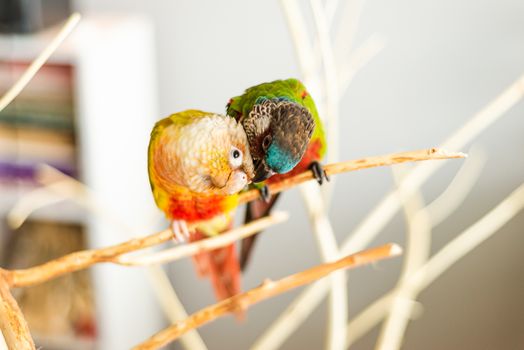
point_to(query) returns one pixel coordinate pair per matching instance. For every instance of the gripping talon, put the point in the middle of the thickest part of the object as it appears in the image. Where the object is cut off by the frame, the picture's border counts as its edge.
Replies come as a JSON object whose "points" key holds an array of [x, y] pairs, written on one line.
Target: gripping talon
{"points": [[318, 172], [265, 194], [326, 176], [180, 231], [185, 230]]}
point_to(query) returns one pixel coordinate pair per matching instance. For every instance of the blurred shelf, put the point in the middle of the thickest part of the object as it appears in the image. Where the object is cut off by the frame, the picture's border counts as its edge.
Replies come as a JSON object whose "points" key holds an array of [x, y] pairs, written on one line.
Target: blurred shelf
{"points": [[64, 211]]}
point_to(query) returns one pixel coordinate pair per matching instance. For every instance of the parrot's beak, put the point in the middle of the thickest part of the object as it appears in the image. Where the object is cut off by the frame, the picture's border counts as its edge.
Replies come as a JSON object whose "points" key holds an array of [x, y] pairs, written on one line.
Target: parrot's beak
{"points": [[262, 172]]}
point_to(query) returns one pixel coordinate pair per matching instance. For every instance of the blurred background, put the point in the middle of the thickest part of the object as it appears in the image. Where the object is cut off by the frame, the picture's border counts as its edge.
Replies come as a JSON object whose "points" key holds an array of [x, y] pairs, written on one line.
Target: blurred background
{"points": [[89, 111]]}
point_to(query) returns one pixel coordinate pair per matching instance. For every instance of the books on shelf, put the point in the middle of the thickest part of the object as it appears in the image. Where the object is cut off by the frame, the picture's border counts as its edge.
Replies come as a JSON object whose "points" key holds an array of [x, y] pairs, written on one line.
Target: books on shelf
{"points": [[38, 127]]}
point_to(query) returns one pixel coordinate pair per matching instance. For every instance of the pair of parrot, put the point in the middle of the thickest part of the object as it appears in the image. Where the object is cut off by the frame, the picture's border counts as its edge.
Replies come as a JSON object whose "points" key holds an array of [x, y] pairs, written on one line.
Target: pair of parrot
{"points": [[199, 161]]}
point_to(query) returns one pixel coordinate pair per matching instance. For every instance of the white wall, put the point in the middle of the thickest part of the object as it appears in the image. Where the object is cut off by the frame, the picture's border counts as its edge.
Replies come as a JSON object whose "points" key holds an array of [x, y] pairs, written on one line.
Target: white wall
{"points": [[444, 61]]}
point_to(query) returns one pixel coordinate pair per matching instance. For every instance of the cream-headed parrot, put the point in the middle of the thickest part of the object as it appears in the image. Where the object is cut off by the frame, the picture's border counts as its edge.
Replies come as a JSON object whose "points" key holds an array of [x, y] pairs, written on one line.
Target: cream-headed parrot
{"points": [[285, 136], [197, 164]]}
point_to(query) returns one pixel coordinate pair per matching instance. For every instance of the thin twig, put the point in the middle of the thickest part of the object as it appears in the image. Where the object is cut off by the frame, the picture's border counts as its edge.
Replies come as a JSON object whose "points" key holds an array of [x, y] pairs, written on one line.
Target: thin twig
{"points": [[331, 95], [326, 240], [33, 68], [357, 164], [461, 185], [12, 323], [211, 243], [376, 220], [298, 31], [81, 260], [29, 202], [360, 57], [418, 246], [266, 290], [367, 319], [173, 307], [347, 28], [418, 227], [81, 195]]}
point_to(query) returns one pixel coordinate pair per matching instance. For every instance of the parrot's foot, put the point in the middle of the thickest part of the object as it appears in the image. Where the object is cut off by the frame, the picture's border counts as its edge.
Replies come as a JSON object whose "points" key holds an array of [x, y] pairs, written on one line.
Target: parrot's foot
{"points": [[180, 230], [318, 172], [265, 194]]}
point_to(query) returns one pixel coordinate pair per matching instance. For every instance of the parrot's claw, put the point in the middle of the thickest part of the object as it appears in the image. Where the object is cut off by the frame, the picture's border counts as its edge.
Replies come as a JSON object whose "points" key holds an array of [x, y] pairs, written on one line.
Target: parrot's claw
{"points": [[265, 194], [318, 172], [180, 231]]}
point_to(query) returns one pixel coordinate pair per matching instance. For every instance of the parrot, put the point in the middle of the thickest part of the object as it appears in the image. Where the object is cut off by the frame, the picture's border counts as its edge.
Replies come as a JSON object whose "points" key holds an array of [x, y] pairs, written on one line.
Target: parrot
{"points": [[197, 163], [286, 137]]}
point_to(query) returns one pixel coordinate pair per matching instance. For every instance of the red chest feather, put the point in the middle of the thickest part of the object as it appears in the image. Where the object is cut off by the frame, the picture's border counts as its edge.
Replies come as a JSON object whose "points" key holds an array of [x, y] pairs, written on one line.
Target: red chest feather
{"points": [[196, 208]]}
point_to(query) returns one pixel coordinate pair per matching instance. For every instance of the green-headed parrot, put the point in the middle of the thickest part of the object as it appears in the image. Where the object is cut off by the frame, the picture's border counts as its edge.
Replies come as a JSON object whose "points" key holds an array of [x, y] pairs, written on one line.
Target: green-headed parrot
{"points": [[197, 164], [285, 138]]}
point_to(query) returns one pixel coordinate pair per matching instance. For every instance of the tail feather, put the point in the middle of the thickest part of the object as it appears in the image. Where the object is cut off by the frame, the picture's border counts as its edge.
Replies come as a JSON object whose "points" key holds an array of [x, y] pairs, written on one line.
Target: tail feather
{"points": [[201, 260], [221, 266], [254, 210], [225, 272]]}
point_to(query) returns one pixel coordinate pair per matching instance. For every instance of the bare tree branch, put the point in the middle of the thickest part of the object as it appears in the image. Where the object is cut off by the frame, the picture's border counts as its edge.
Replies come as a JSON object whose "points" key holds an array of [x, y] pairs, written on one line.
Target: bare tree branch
{"points": [[266, 290]]}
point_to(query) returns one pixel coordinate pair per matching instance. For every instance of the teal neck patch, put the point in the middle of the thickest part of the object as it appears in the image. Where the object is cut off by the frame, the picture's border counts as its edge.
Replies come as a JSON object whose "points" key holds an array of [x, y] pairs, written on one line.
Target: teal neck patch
{"points": [[279, 160]]}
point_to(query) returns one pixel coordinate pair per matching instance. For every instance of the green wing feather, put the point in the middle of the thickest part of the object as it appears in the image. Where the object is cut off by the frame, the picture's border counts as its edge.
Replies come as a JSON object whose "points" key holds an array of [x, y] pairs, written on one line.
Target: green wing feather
{"points": [[290, 89]]}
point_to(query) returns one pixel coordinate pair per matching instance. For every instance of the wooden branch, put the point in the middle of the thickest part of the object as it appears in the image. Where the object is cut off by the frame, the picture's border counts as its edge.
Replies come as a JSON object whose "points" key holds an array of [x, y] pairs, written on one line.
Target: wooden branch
{"points": [[358, 164], [418, 250], [459, 188], [337, 314], [266, 290], [299, 34], [83, 259], [173, 307], [186, 250], [80, 260], [358, 59], [12, 323]]}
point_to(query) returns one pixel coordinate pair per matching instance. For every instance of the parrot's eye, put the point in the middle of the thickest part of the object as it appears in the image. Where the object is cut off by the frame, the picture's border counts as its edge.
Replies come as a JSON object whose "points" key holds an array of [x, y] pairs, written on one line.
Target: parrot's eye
{"points": [[266, 142], [235, 157]]}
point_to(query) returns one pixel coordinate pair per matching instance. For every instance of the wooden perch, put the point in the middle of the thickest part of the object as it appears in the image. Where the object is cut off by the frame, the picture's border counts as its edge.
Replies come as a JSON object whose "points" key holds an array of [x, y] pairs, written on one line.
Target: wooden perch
{"points": [[83, 259], [186, 250], [266, 290], [358, 164], [80, 260], [12, 323]]}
